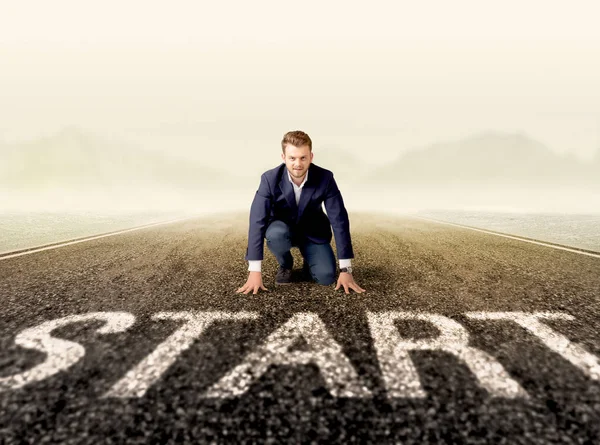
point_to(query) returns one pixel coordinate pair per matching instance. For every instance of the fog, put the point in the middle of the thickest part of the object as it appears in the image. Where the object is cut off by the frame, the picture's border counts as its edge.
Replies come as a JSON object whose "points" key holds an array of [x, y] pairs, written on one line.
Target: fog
{"points": [[392, 200], [183, 106], [358, 196]]}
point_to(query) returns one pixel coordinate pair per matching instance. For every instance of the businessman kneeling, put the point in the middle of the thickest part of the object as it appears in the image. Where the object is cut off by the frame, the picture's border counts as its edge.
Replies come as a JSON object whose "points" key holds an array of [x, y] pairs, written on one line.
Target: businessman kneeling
{"points": [[287, 211]]}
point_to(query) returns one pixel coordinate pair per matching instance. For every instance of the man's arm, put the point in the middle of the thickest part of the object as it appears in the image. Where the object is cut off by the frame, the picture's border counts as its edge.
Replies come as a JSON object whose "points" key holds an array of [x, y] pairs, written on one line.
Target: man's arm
{"points": [[338, 217], [259, 215]]}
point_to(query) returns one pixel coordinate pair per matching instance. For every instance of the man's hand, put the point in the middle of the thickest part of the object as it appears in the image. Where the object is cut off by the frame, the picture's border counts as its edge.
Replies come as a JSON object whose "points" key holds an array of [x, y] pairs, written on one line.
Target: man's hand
{"points": [[254, 282], [345, 279]]}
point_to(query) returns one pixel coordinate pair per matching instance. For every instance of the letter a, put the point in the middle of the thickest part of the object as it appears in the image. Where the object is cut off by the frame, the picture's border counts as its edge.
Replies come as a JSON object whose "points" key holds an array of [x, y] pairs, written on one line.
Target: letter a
{"points": [[339, 375]]}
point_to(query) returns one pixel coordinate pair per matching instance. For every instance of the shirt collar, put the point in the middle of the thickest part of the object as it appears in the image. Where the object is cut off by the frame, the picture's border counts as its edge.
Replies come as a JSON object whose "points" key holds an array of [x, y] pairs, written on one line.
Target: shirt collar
{"points": [[290, 178]]}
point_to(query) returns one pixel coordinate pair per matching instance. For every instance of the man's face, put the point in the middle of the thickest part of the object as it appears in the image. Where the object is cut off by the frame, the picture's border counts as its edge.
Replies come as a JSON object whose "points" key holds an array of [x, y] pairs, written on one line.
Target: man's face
{"points": [[297, 160]]}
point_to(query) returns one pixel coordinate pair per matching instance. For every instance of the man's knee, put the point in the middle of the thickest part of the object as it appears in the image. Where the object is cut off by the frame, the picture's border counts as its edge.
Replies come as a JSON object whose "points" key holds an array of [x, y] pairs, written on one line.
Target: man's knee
{"points": [[277, 231]]}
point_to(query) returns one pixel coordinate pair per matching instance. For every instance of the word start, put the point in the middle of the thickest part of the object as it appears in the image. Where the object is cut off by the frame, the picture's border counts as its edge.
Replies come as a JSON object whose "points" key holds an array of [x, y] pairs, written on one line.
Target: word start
{"points": [[341, 379]]}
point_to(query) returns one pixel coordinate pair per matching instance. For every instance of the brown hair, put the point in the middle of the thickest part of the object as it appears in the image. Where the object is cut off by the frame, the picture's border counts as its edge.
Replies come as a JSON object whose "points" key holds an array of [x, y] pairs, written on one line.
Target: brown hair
{"points": [[297, 138]]}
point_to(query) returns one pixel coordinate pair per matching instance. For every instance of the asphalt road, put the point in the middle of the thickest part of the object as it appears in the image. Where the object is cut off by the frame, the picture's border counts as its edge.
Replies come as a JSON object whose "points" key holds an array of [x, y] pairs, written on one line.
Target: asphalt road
{"points": [[460, 337]]}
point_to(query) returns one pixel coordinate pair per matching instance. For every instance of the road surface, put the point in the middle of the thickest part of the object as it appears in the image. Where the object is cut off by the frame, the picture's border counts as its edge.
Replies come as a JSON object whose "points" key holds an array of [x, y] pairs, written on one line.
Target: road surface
{"points": [[140, 337]]}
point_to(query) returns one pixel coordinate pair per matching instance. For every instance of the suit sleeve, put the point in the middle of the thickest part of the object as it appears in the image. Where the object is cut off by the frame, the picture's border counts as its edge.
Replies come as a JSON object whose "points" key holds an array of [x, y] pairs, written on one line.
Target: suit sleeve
{"points": [[338, 217], [259, 216]]}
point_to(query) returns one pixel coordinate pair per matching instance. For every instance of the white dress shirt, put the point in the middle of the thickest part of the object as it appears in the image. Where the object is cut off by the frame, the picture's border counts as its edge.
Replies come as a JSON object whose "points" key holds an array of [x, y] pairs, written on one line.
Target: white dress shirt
{"points": [[255, 265]]}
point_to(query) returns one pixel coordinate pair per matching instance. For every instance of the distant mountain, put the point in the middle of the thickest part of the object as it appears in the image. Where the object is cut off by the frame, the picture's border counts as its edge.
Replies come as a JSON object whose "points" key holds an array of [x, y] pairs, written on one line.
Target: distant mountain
{"points": [[489, 158], [76, 159]]}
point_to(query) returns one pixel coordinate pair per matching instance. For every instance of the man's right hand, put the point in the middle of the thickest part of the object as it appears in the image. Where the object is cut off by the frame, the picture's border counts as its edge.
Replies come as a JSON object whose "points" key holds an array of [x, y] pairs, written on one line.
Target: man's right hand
{"points": [[254, 282]]}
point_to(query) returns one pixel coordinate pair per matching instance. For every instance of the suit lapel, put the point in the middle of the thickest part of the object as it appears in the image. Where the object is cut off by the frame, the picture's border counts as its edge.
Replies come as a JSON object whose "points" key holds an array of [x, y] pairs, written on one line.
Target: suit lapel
{"points": [[307, 191], [288, 191]]}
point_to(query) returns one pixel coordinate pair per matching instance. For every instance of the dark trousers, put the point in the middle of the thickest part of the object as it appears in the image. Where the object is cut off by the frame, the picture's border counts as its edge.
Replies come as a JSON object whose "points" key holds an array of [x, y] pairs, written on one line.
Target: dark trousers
{"points": [[319, 257]]}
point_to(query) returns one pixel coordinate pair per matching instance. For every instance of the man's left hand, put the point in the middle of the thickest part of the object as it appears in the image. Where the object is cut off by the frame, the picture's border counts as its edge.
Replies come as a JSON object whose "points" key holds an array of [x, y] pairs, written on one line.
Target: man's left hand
{"points": [[345, 279]]}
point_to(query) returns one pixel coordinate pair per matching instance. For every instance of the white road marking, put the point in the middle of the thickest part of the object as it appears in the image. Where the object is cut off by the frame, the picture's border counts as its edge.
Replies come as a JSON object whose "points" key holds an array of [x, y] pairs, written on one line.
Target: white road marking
{"points": [[68, 243], [539, 243], [399, 372], [62, 354], [138, 379], [558, 343], [340, 377]]}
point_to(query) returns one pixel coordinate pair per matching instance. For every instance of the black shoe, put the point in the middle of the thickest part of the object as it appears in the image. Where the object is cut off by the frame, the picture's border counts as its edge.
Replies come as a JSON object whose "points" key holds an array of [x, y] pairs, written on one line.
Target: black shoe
{"points": [[284, 276]]}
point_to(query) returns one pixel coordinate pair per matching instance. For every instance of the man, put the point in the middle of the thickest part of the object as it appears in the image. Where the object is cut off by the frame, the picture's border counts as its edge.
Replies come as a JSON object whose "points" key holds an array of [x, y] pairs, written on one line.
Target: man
{"points": [[287, 211]]}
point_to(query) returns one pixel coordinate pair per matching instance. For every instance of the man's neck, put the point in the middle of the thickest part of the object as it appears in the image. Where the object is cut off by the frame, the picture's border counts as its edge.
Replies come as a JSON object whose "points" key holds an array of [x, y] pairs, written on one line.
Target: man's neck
{"points": [[298, 182]]}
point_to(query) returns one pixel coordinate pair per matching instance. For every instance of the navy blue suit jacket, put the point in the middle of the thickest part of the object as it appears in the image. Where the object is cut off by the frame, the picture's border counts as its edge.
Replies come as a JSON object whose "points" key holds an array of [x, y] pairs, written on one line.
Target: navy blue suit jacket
{"points": [[275, 200]]}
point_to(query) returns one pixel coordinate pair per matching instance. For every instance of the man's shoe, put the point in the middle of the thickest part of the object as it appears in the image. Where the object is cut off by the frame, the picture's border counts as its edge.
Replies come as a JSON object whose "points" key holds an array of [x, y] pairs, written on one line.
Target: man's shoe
{"points": [[284, 276]]}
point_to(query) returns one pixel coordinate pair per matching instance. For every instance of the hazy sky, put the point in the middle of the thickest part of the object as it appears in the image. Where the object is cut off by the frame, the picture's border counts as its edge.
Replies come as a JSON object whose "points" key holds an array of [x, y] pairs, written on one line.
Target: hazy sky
{"points": [[375, 78]]}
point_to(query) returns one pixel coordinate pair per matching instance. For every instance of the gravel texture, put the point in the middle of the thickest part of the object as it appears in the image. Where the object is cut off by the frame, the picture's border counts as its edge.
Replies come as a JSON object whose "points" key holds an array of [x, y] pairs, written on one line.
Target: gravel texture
{"points": [[405, 264]]}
